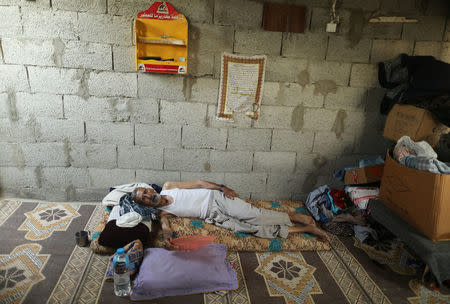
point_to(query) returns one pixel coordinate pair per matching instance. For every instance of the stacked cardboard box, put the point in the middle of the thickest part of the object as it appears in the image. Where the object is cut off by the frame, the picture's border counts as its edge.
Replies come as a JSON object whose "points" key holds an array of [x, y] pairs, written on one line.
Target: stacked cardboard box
{"points": [[421, 198]]}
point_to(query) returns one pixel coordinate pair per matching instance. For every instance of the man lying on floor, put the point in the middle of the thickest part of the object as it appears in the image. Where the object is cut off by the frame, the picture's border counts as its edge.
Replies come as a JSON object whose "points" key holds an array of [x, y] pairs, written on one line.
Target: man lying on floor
{"points": [[221, 206]]}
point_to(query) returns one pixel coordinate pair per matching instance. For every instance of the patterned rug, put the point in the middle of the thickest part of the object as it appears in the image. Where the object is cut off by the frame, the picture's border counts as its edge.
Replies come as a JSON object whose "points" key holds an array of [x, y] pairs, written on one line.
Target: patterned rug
{"points": [[40, 263]]}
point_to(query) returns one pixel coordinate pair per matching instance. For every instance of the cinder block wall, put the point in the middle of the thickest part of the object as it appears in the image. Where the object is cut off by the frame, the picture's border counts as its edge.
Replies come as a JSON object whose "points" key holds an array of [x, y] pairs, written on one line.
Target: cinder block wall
{"points": [[75, 117]]}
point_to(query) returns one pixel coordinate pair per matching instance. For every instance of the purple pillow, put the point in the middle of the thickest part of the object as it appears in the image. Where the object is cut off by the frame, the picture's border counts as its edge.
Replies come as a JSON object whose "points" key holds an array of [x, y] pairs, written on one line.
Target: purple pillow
{"points": [[169, 273]]}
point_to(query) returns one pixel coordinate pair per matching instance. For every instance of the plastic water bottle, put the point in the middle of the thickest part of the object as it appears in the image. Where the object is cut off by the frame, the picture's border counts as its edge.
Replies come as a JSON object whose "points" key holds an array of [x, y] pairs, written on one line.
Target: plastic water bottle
{"points": [[121, 263]]}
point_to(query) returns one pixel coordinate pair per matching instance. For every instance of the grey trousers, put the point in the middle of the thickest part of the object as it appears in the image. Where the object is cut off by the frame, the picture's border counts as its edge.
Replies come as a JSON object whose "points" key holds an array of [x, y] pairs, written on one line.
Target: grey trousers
{"points": [[240, 216]]}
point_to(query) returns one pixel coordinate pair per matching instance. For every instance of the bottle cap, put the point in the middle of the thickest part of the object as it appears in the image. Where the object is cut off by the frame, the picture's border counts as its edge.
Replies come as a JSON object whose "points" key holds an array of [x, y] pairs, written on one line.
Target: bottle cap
{"points": [[120, 251]]}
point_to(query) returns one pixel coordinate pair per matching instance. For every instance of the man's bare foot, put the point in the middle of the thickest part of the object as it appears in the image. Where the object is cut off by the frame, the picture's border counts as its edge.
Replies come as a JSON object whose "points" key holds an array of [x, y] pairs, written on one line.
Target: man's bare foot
{"points": [[318, 232], [302, 219]]}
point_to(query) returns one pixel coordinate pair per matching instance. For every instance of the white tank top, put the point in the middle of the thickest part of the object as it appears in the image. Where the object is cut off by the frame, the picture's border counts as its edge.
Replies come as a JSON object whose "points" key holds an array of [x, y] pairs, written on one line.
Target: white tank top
{"points": [[188, 202]]}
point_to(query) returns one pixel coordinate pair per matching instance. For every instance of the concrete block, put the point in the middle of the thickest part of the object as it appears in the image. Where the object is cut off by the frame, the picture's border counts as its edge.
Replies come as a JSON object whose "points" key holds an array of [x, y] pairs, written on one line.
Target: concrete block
{"points": [[319, 119], [327, 143], [202, 64], [157, 177], [270, 93], [58, 177], [337, 72], [210, 39], [17, 131], [340, 49], [372, 142], [287, 140], [27, 51], [257, 42], [447, 31], [54, 80], [105, 84], [95, 156], [205, 90], [428, 48], [218, 178], [246, 182], [409, 7], [347, 98], [160, 86], [246, 14], [48, 129], [13, 78], [166, 136], [90, 194], [44, 23], [284, 69], [185, 113], [356, 4], [305, 45], [10, 19], [428, 28], [111, 109], [320, 16], [249, 139], [204, 138], [119, 133], [11, 155], [7, 107], [22, 3], [135, 157], [353, 122], [445, 54], [294, 94], [143, 110], [88, 55], [374, 99], [281, 186], [382, 30], [200, 11], [38, 105], [105, 178], [187, 160], [274, 162], [105, 29], [195, 10], [240, 120], [388, 49], [315, 163], [17, 177], [93, 7], [274, 117], [364, 75], [124, 58], [45, 154], [228, 161]]}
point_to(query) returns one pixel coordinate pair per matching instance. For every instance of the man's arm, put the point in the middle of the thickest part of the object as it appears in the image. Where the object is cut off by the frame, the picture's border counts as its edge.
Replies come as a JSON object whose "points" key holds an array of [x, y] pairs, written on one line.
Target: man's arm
{"points": [[200, 184], [166, 230]]}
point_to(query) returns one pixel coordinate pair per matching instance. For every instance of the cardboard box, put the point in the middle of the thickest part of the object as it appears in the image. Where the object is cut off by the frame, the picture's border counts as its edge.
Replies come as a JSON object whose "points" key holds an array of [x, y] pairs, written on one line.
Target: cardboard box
{"points": [[364, 175], [419, 197], [417, 123]]}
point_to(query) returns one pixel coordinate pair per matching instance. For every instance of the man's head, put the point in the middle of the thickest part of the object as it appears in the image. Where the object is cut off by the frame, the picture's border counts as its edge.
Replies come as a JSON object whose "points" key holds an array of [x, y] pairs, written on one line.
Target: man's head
{"points": [[147, 197]]}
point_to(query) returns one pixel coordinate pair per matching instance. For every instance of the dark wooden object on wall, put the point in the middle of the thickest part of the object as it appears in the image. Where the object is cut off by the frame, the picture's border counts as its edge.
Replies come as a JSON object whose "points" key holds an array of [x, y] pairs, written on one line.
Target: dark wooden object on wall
{"points": [[284, 18]]}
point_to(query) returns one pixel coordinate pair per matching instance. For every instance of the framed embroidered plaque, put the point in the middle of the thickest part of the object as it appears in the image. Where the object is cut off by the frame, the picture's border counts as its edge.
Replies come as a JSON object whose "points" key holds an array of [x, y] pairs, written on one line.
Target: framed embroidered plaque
{"points": [[241, 85]]}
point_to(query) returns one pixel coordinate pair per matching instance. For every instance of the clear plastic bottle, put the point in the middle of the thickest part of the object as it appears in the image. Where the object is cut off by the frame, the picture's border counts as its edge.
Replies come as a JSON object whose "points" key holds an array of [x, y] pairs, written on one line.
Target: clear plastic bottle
{"points": [[121, 263]]}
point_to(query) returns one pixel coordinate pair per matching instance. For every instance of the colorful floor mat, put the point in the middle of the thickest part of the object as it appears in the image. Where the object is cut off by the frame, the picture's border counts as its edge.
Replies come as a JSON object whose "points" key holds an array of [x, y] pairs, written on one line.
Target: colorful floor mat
{"points": [[40, 263]]}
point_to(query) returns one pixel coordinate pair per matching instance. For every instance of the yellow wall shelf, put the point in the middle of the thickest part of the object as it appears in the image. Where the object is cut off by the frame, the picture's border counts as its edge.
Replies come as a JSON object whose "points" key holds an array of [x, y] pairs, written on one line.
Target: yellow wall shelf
{"points": [[161, 38]]}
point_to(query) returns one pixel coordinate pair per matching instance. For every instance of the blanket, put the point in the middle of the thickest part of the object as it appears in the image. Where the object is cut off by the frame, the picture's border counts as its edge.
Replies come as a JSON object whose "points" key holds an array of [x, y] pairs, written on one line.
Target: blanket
{"points": [[233, 240]]}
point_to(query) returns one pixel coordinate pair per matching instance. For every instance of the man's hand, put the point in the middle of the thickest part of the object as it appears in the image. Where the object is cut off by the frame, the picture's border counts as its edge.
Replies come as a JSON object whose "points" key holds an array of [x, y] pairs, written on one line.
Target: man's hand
{"points": [[229, 192], [167, 237]]}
